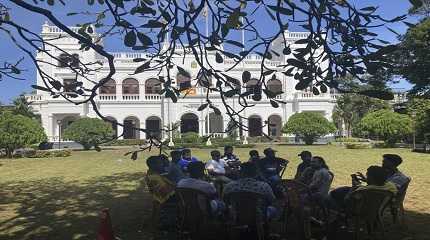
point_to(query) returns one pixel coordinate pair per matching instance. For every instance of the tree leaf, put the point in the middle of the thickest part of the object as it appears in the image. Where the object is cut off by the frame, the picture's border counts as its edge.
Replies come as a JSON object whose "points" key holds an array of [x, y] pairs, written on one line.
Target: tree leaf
{"points": [[142, 68], [145, 40], [384, 95], [282, 10], [218, 58], [40, 88], [274, 104], [134, 156], [246, 76], [202, 107], [130, 39], [416, 3]]}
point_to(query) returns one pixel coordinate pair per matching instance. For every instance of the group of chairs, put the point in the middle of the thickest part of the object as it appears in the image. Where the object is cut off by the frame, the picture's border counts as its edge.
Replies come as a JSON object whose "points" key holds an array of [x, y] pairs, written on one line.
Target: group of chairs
{"points": [[245, 216]]}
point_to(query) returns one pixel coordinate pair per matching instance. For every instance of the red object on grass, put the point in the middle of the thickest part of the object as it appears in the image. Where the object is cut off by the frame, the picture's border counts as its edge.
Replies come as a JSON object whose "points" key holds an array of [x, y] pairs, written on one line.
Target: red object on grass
{"points": [[105, 231]]}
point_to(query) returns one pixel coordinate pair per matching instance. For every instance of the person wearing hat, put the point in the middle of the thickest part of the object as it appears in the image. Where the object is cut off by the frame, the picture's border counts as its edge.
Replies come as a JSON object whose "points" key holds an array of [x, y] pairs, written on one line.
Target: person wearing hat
{"points": [[306, 157], [270, 166]]}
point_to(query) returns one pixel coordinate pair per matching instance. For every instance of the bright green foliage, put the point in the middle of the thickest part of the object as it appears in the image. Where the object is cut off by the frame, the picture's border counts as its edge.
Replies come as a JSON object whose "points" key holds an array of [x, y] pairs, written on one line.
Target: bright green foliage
{"points": [[419, 111], [386, 125], [309, 126], [351, 108], [414, 58], [17, 131], [90, 132]]}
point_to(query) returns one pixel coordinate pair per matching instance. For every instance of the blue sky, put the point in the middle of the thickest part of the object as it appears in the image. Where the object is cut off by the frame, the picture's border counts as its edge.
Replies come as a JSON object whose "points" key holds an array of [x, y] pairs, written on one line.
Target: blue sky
{"points": [[10, 88]]}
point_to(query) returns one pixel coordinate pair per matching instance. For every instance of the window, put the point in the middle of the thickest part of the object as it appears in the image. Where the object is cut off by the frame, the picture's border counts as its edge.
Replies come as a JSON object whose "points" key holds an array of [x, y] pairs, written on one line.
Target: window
{"points": [[153, 86], [130, 86], [66, 60], [69, 85], [183, 80], [109, 87]]}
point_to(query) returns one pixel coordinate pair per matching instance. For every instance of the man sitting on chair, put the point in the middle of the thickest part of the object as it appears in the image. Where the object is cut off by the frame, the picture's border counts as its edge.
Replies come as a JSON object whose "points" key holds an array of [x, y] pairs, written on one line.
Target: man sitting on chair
{"points": [[196, 171], [186, 159], [376, 178], [217, 167], [248, 183], [271, 166]]}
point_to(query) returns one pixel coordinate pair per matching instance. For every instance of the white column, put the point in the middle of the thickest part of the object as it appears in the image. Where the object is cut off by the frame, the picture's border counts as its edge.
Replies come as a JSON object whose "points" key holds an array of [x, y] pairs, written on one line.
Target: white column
{"points": [[48, 124]]}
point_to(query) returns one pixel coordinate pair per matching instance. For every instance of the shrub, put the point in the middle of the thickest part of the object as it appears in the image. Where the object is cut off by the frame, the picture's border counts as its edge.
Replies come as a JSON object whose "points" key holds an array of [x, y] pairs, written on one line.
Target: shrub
{"points": [[17, 131], [309, 126], [47, 154], [190, 137], [89, 132], [125, 142], [386, 125], [357, 145], [350, 139]]}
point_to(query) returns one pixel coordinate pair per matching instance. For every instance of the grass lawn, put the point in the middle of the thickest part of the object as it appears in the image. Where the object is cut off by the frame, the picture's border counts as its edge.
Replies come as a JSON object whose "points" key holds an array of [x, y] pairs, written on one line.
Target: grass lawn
{"points": [[60, 198]]}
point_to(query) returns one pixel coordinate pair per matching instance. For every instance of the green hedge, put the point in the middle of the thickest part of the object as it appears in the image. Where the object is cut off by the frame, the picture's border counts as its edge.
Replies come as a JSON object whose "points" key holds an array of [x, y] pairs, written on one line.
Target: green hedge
{"points": [[357, 145], [125, 142], [48, 153], [350, 139]]}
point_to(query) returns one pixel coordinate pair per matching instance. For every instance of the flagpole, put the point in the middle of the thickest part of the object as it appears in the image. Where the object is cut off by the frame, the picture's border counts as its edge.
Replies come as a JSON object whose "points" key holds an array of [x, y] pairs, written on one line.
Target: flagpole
{"points": [[245, 134], [206, 13]]}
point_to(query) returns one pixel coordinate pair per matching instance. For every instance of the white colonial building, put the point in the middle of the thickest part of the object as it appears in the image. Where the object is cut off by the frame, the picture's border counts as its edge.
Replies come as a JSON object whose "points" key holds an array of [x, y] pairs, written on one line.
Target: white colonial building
{"points": [[134, 99]]}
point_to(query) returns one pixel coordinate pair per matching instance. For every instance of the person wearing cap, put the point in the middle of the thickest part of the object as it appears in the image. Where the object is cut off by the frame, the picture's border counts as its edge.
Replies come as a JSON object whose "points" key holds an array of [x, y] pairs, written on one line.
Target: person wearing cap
{"points": [[306, 157], [270, 166]]}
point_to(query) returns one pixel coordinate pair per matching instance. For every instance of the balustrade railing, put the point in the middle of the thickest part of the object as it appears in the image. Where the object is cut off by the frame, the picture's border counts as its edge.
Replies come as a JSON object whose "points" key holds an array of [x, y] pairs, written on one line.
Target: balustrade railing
{"points": [[152, 97], [107, 97], [130, 97]]}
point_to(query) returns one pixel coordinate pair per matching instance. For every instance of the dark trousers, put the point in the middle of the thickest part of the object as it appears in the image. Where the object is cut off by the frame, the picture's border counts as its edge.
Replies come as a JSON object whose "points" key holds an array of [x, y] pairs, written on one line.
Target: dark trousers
{"points": [[338, 196]]}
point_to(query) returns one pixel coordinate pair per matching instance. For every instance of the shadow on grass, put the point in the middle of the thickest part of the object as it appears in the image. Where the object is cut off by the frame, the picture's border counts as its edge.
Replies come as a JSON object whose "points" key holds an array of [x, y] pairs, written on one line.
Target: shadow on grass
{"points": [[54, 209]]}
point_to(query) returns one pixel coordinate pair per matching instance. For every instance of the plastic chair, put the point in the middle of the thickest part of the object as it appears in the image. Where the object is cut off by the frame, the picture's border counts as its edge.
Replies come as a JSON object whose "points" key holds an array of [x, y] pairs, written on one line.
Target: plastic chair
{"points": [[368, 206], [396, 206], [194, 213], [295, 192], [247, 213], [155, 213]]}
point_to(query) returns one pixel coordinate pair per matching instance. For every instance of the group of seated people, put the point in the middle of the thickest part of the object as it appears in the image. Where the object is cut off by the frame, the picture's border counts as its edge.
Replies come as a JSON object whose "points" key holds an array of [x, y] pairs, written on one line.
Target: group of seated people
{"points": [[260, 175]]}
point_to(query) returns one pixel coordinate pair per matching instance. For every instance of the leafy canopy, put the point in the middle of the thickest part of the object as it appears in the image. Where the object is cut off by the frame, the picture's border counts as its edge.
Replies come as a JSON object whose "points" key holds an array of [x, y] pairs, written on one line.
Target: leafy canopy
{"points": [[386, 125], [309, 126], [17, 131], [413, 58], [89, 132]]}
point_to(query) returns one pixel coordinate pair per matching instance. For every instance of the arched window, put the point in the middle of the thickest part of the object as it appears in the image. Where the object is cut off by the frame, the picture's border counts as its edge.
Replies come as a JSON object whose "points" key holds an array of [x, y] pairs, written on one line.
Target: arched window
{"points": [[152, 86], [275, 125], [153, 125], [252, 85], [130, 86], [274, 85], [66, 60], [131, 126], [189, 123], [109, 87], [183, 80], [255, 126]]}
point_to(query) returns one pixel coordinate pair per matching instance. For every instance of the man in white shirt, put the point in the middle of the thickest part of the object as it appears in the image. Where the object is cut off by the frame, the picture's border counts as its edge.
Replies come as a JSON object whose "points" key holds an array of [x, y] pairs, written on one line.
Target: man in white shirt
{"points": [[217, 167]]}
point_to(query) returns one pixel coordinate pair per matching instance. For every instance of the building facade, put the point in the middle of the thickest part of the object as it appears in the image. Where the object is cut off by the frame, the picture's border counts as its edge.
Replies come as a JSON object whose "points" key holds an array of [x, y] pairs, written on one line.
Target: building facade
{"points": [[134, 100]]}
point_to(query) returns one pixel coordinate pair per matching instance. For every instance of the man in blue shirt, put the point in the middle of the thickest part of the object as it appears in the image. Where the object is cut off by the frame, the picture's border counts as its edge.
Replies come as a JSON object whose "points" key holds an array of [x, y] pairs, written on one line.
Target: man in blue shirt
{"points": [[186, 159]]}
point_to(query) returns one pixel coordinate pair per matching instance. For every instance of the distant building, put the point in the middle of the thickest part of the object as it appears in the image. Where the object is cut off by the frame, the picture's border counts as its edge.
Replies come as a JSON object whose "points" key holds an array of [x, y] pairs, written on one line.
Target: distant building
{"points": [[136, 102]]}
